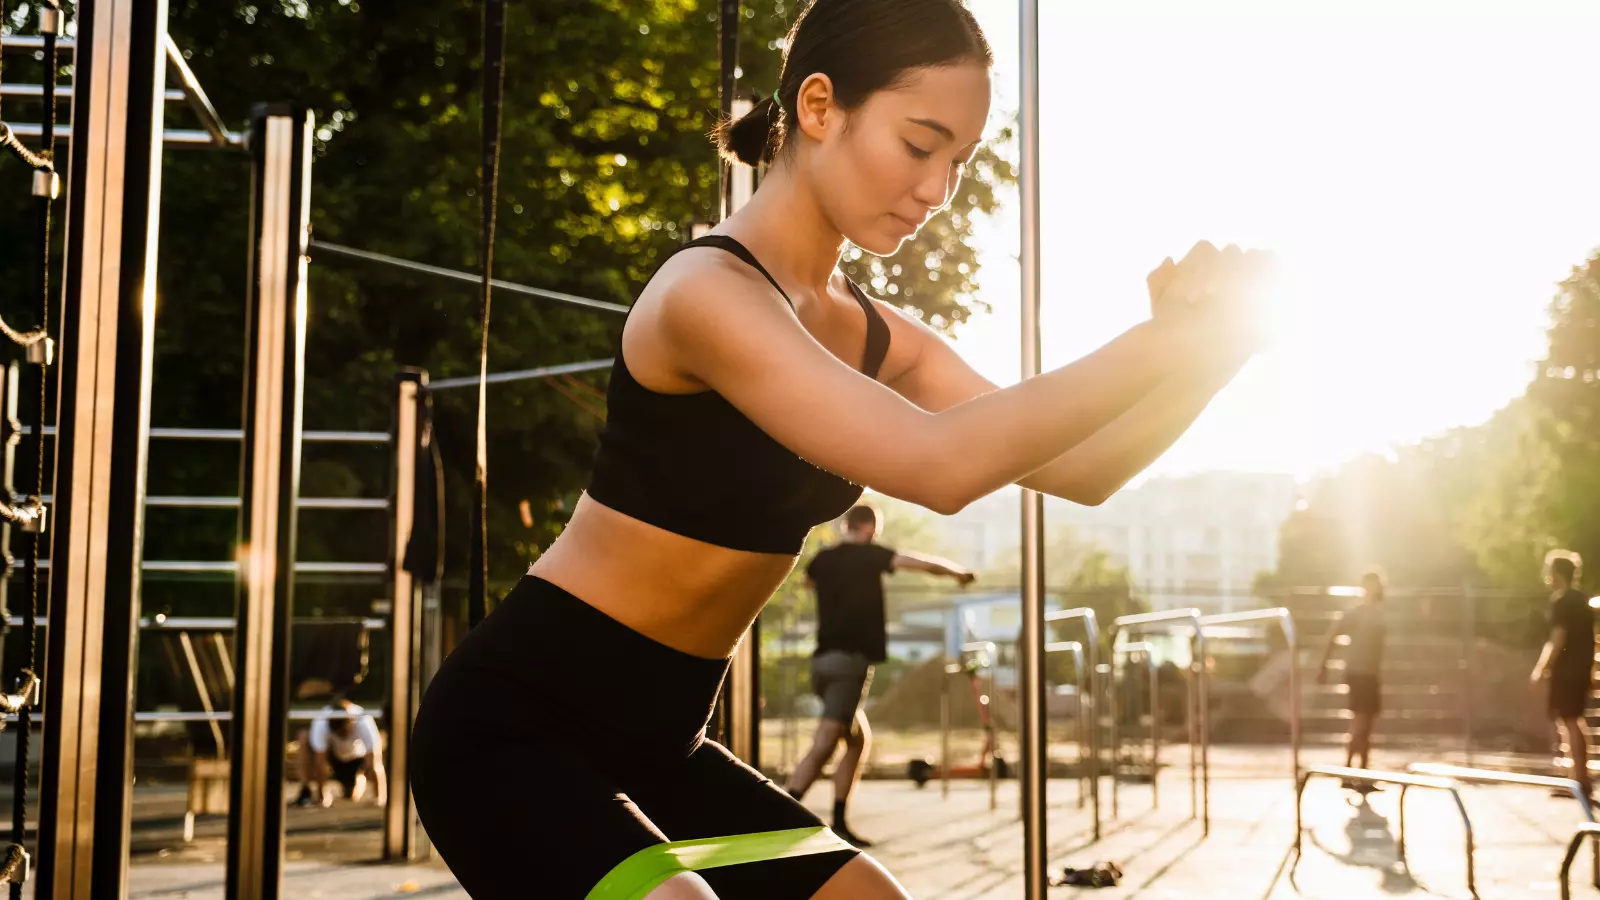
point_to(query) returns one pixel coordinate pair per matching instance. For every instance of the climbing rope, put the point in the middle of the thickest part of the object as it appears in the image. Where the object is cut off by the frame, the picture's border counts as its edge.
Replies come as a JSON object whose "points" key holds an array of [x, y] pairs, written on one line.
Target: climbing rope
{"points": [[494, 52]]}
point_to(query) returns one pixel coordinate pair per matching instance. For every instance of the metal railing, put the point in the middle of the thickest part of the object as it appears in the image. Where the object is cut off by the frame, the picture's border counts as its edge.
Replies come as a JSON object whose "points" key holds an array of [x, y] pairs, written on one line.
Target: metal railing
{"points": [[1585, 831], [1490, 776], [1144, 623], [986, 656], [191, 716], [1088, 706], [216, 623], [1406, 782], [1114, 708], [1076, 649], [1285, 621]]}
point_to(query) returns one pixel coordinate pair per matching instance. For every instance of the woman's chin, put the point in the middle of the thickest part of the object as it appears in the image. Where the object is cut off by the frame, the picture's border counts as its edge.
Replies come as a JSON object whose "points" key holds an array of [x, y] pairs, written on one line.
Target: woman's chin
{"points": [[879, 242]]}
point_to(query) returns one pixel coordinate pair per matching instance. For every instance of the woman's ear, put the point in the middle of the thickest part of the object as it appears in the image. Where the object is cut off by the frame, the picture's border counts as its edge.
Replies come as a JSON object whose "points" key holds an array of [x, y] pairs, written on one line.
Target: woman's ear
{"points": [[815, 110]]}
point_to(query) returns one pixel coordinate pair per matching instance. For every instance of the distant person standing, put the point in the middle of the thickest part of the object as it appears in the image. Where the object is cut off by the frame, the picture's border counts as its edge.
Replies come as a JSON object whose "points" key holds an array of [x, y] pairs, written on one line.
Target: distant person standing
{"points": [[1567, 661], [1363, 667], [851, 637]]}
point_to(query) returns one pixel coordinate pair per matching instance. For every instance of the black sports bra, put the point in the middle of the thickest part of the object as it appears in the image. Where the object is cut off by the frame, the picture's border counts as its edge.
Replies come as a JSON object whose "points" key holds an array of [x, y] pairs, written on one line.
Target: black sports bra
{"points": [[693, 465]]}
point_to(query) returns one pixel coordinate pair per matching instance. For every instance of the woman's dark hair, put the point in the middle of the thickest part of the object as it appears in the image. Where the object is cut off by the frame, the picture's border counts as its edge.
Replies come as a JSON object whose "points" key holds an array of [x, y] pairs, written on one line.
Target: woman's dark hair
{"points": [[863, 46]]}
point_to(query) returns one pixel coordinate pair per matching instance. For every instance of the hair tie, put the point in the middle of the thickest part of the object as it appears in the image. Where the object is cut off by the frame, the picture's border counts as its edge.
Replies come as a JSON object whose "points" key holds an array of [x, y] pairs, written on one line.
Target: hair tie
{"points": [[775, 101]]}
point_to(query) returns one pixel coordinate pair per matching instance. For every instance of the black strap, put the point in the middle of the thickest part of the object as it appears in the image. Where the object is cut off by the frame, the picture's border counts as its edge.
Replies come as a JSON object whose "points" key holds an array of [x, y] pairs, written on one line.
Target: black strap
{"points": [[494, 29], [728, 244], [877, 329], [877, 333]]}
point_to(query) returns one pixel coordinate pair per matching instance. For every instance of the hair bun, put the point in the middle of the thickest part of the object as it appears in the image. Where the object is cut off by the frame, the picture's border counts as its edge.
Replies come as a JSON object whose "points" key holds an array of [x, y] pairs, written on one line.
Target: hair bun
{"points": [[750, 138]]}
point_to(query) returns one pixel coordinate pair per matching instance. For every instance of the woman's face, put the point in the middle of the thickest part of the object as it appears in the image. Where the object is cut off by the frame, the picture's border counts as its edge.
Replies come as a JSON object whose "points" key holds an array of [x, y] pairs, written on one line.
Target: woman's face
{"points": [[885, 168]]}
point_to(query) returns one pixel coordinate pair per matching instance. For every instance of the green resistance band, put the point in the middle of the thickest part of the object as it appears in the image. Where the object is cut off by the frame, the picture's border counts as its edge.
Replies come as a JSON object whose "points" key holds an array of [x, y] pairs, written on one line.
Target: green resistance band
{"points": [[643, 872]]}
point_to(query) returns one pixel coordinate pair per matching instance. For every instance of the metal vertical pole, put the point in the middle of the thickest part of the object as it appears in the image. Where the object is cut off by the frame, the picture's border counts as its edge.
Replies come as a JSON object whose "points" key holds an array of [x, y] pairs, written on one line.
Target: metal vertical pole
{"points": [[103, 417], [1114, 710], [1190, 722], [944, 729], [1155, 729], [728, 57], [405, 687], [1203, 697], [1469, 667], [1031, 659], [741, 696], [280, 141]]}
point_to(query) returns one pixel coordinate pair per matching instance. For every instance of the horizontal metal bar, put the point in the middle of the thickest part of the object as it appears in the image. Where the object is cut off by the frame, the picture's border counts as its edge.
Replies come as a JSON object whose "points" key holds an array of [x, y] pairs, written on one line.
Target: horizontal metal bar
{"points": [[64, 92], [346, 437], [445, 384], [464, 277], [1463, 773], [181, 137], [234, 434], [190, 565], [218, 623], [36, 42], [1063, 647], [193, 502], [225, 567], [1167, 615], [196, 95], [374, 503], [1377, 776], [1250, 615], [295, 715], [197, 434], [341, 568]]}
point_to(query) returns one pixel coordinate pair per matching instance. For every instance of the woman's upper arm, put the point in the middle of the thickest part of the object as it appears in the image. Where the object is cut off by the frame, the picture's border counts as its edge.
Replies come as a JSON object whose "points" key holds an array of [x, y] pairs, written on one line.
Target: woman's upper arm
{"points": [[722, 331], [936, 377]]}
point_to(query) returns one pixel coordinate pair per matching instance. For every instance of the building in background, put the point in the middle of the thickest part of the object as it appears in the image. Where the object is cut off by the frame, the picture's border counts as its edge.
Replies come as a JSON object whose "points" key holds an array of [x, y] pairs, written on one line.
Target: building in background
{"points": [[1196, 540]]}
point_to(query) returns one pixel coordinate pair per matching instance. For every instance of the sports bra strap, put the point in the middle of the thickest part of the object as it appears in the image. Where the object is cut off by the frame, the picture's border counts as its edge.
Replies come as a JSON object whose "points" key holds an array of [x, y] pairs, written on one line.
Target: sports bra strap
{"points": [[877, 333], [877, 328], [728, 244]]}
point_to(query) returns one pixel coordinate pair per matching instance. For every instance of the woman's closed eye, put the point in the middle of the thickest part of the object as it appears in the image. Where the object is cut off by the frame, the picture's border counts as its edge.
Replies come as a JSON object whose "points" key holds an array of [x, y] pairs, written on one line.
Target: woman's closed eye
{"points": [[921, 155]]}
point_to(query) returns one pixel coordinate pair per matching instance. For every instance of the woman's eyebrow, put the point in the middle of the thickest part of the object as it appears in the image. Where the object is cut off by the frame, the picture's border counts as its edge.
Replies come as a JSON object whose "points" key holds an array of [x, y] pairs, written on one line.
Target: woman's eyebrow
{"points": [[934, 125]]}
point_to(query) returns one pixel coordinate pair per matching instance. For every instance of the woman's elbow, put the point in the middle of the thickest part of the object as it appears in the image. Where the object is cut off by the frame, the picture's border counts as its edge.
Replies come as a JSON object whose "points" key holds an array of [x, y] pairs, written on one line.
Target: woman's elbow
{"points": [[1084, 493]]}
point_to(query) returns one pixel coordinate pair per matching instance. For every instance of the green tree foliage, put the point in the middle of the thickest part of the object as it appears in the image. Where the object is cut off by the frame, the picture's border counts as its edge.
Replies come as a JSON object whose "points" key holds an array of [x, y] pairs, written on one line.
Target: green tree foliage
{"points": [[1475, 505], [605, 164]]}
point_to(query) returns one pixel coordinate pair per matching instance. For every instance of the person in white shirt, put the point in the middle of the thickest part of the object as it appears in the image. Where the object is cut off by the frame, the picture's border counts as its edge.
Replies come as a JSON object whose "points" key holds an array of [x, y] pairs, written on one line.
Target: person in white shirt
{"points": [[342, 745]]}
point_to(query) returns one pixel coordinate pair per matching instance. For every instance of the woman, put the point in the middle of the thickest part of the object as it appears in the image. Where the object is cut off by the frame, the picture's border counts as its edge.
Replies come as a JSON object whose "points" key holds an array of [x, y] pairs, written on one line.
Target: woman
{"points": [[754, 391]]}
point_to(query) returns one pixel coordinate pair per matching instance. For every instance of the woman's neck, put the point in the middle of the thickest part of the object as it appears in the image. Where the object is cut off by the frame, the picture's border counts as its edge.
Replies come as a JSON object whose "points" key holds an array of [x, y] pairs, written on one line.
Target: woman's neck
{"points": [[786, 229]]}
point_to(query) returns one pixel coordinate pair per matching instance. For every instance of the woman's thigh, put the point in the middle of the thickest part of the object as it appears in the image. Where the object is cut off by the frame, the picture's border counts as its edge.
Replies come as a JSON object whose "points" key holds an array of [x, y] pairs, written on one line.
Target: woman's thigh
{"points": [[713, 794]]}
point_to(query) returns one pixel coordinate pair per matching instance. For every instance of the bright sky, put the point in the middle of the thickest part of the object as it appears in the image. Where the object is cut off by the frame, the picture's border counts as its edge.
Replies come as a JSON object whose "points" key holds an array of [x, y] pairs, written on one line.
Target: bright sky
{"points": [[1428, 176]]}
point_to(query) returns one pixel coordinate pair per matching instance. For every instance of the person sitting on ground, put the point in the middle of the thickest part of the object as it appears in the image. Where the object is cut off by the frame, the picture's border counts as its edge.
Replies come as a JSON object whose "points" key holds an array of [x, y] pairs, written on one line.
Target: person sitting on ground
{"points": [[342, 745], [851, 637]]}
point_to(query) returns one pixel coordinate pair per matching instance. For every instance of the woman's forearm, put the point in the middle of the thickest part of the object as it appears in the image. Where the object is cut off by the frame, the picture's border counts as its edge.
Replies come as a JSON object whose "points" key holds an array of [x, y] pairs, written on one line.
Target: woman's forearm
{"points": [[1003, 436], [1099, 466]]}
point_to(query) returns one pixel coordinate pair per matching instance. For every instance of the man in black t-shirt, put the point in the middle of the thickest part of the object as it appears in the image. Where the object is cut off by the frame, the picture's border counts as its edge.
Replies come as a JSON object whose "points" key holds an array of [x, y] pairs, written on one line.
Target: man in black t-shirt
{"points": [[1568, 658], [848, 580]]}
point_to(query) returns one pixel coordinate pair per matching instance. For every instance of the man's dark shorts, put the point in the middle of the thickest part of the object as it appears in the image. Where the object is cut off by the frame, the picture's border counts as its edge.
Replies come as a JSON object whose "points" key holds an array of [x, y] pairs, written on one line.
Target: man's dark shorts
{"points": [[840, 678]]}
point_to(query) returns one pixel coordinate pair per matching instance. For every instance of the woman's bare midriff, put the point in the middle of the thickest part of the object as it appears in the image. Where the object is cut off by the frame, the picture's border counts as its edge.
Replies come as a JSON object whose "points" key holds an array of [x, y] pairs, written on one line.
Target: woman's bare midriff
{"points": [[692, 596]]}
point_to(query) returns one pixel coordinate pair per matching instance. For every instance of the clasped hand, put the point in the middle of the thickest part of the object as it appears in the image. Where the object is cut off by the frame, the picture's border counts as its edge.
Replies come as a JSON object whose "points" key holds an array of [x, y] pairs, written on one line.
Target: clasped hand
{"points": [[1220, 294]]}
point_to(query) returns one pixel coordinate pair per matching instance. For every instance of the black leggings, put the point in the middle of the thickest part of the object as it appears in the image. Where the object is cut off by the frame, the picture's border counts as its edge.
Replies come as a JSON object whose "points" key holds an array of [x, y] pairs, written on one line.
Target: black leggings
{"points": [[556, 742]]}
